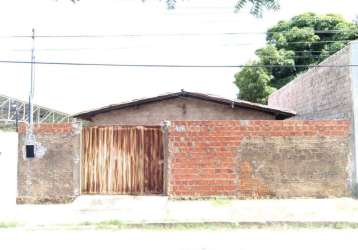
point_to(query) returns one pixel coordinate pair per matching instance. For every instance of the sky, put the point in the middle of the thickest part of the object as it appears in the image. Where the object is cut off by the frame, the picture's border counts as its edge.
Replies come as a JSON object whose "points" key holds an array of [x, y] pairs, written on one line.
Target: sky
{"points": [[190, 34]]}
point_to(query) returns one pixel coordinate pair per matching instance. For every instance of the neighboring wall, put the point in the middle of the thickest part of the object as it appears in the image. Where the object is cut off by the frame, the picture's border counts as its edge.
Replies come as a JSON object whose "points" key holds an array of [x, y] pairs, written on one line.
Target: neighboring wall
{"points": [[8, 165], [53, 175], [183, 108], [320, 93], [250, 159]]}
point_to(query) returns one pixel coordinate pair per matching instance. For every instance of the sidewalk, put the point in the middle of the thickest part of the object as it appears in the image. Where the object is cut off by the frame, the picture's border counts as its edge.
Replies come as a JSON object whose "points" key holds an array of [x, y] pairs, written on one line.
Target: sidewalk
{"points": [[126, 209]]}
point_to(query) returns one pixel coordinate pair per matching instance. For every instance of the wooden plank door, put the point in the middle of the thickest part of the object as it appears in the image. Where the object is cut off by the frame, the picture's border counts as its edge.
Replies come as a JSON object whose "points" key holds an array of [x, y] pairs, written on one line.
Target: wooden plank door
{"points": [[122, 160]]}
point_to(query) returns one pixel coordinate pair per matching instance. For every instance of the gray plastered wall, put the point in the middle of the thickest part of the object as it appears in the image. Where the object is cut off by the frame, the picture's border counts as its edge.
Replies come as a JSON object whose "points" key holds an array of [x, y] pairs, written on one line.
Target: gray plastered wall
{"points": [[181, 108], [354, 89], [320, 93], [300, 166], [54, 174], [327, 93]]}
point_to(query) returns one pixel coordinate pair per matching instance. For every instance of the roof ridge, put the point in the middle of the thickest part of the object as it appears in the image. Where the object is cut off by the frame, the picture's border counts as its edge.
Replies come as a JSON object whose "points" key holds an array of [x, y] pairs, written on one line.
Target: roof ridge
{"points": [[198, 95]]}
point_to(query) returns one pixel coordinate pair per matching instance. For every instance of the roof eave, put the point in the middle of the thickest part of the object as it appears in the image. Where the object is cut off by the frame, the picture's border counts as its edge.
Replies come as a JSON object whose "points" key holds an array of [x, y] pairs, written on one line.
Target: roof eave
{"points": [[88, 115]]}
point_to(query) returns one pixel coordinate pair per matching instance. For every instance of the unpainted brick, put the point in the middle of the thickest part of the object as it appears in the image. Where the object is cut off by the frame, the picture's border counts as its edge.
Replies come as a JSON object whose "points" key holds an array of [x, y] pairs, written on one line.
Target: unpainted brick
{"points": [[257, 159]]}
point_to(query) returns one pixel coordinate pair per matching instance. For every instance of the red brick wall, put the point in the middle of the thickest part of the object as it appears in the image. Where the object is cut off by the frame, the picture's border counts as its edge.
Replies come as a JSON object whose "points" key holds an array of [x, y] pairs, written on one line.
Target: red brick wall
{"points": [[258, 158], [56, 128]]}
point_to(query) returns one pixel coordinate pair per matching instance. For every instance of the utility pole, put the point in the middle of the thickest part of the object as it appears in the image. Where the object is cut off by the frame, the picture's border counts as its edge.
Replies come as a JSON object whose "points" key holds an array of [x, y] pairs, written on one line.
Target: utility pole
{"points": [[30, 135]]}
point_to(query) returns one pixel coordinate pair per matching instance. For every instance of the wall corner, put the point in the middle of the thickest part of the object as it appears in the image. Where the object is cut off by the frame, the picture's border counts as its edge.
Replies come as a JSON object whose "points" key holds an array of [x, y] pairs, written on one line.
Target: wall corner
{"points": [[166, 173], [354, 80]]}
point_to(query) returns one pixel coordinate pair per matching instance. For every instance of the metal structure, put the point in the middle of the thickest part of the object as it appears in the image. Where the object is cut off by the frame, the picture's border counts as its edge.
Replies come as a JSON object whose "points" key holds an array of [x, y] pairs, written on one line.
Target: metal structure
{"points": [[13, 110]]}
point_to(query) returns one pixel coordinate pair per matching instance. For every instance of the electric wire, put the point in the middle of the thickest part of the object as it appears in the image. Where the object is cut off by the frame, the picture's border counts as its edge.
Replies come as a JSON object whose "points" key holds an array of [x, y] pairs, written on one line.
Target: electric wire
{"points": [[173, 34], [176, 65]]}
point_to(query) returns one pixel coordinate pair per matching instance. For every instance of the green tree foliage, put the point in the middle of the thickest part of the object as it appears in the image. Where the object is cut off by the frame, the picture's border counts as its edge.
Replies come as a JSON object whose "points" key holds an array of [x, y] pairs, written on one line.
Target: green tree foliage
{"points": [[304, 40], [256, 9], [257, 6], [253, 83]]}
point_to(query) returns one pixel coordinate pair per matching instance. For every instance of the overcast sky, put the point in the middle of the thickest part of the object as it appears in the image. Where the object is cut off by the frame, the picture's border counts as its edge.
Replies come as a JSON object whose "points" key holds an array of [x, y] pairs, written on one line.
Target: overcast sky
{"points": [[76, 88]]}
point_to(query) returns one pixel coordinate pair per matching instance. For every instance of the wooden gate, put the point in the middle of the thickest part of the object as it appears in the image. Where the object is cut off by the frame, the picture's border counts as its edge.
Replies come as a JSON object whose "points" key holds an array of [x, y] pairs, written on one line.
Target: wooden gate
{"points": [[122, 160]]}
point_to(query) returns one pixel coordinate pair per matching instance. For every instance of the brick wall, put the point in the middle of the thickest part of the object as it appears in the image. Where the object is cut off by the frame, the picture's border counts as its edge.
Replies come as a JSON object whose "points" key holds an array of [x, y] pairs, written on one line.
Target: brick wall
{"points": [[319, 93], [56, 128], [249, 159], [53, 175]]}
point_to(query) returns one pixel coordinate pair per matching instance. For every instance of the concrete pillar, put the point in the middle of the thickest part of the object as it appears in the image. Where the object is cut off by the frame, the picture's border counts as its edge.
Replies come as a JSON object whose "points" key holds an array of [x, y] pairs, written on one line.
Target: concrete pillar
{"points": [[166, 175], [354, 76]]}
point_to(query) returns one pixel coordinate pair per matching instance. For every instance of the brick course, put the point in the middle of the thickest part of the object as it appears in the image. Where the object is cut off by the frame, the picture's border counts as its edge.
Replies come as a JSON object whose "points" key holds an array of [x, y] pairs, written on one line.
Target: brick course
{"points": [[257, 158], [56, 128]]}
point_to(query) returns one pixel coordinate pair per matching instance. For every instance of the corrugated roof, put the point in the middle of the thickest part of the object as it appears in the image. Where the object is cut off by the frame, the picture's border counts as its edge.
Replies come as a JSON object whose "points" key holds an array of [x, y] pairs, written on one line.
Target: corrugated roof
{"points": [[279, 113]]}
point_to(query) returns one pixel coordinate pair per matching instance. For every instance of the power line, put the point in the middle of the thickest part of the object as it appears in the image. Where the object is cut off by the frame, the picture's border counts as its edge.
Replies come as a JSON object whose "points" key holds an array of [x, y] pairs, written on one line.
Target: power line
{"points": [[300, 57], [329, 52], [312, 51], [176, 65], [173, 34], [318, 42], [129, 47], [230, 45], [288, 43]]}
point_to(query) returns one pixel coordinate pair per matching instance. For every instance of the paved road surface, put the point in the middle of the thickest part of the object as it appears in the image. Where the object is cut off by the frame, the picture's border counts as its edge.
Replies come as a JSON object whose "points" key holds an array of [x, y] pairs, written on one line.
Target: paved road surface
{"points": [[301, 239]]}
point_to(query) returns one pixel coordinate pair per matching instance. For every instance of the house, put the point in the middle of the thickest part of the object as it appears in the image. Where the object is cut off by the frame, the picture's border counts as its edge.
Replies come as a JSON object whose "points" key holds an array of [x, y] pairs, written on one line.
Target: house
{"points": [[193, 145], [182, 105], [207, 147]]}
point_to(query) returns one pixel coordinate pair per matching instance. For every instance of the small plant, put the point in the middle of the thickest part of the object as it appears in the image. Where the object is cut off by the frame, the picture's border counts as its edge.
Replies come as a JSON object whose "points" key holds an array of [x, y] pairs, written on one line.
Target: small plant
{"points": [[86, 223], [221, 202], [115, 224], [8, 224]]}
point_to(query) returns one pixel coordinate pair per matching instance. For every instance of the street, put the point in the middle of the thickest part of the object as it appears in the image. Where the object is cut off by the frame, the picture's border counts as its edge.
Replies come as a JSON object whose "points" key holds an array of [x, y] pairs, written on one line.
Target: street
{"points": [[179, 240]]}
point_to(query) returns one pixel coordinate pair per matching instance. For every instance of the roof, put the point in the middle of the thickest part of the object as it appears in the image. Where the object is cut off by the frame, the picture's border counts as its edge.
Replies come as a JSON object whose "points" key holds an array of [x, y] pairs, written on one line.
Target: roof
{"points": [[279, 113]]}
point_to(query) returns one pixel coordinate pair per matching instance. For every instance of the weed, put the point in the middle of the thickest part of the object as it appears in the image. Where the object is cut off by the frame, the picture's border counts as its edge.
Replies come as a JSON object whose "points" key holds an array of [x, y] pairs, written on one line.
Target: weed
{"points": [[221, 202], [8, 224]]}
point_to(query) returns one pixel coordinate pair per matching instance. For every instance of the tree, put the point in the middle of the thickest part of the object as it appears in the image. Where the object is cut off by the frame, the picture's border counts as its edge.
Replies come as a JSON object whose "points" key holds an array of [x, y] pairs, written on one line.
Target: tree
{"points": [[303, 40], [253, 83], [257, 6]]}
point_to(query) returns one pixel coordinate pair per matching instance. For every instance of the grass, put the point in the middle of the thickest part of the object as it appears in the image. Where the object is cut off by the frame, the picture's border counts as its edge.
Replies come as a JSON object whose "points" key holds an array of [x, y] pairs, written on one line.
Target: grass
{"points": [[8, 224], [220, 202], [119, 225], [111, 224], [211, 226]]}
